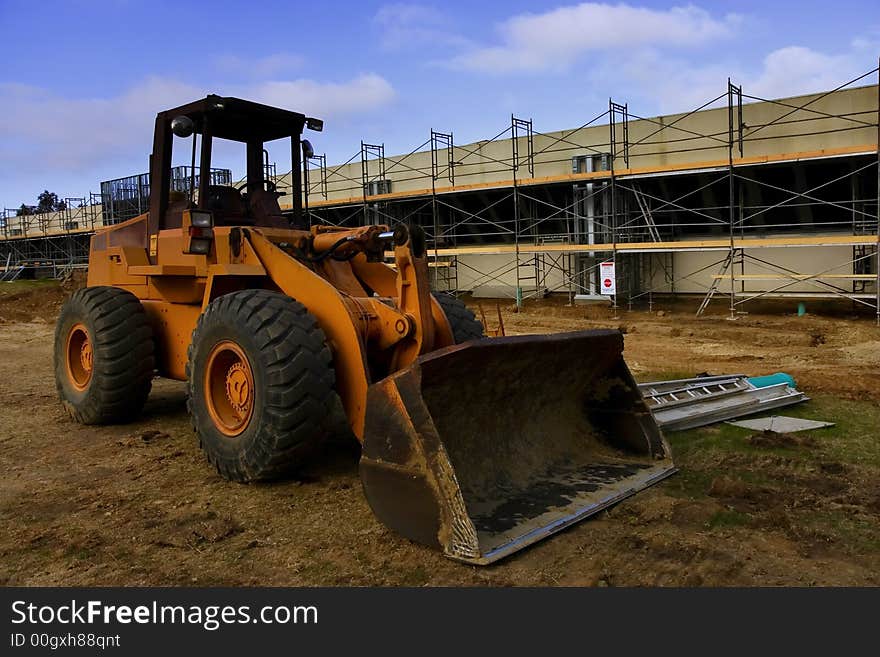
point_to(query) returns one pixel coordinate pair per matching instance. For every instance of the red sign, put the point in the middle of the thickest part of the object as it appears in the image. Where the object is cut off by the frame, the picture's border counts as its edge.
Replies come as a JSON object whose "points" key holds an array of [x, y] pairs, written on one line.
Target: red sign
{"points": [[607, 276]]}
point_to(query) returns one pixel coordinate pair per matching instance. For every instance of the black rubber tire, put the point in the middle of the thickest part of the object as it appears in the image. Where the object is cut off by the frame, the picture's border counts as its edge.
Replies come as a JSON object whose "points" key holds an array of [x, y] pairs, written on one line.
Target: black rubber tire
{"points": [[122, 355], [465, 325], [293, 375]]}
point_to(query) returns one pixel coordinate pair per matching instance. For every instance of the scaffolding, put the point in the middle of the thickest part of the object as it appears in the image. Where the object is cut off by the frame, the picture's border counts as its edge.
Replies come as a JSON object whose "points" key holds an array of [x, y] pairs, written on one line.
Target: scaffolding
{"points": [[731, 189], [706, 202], [125, 198]]}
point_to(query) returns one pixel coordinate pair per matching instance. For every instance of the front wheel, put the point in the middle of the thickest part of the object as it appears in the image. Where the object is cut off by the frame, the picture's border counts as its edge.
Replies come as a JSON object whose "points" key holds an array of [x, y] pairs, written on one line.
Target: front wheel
{"points": [[103, 355], [260, 383]]}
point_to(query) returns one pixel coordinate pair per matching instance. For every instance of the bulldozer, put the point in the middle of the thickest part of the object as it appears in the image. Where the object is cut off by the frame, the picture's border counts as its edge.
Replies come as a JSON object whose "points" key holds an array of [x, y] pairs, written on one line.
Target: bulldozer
{"points": [[475, 446]]}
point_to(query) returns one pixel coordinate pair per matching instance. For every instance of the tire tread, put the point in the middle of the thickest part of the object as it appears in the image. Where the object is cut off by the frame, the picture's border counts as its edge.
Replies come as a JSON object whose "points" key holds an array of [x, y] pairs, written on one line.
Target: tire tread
{"points": [[122, 342], [299, 393], [465, 325]]}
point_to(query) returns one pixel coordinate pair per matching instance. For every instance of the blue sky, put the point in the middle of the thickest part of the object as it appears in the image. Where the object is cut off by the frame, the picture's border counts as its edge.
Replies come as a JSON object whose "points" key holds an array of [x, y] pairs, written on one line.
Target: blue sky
{"points": [[81, 80]]}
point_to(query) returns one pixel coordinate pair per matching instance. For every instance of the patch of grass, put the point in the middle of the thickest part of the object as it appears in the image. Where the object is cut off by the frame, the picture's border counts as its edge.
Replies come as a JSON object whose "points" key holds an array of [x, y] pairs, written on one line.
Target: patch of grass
{"points": [[852, 440], [690, 482], [706, 453], [14, 287], [80, 553], [728, 518], [857, 533], [721, 438]]}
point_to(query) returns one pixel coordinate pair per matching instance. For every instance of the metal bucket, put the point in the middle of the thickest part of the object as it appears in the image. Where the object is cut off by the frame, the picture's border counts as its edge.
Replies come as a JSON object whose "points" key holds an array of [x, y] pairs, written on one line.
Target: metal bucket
{"points": [[484, 448]]}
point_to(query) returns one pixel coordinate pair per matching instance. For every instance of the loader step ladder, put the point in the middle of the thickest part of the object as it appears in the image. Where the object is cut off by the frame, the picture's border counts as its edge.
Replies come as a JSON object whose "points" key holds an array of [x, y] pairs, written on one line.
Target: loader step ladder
{"points": [[527, 284], [11, 274], [653, 233], [720, 276], [663, 397]]}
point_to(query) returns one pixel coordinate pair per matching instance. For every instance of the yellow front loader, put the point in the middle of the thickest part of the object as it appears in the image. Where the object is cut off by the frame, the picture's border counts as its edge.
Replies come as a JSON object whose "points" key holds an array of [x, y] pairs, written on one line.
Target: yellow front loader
{"points": [[475, 446]]}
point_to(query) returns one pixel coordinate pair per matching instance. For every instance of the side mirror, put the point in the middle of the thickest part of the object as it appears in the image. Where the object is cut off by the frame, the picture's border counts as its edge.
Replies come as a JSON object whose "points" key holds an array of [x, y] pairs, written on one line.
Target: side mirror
{"points": [[307, 149], [182, 126]]}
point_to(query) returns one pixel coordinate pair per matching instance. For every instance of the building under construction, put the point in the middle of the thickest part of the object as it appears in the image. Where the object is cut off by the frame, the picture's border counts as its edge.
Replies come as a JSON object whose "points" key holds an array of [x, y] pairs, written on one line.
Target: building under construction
{"points": [[741, 198]]}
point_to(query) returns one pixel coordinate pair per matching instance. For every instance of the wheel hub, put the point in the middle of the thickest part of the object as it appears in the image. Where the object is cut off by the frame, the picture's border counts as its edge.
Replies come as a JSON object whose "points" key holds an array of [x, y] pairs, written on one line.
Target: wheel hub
{"points": [[229, 388], [79, 357], [238, 390], [85, 355]]}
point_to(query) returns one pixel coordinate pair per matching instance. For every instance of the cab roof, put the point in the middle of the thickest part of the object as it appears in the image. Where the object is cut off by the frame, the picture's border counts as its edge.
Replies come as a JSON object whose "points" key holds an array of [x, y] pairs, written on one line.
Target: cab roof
{"points": [[238, 120]]}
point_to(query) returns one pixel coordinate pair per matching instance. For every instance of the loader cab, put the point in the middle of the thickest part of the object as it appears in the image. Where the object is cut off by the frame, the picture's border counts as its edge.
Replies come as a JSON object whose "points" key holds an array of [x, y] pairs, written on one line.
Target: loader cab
{"points": [[198, 127]]}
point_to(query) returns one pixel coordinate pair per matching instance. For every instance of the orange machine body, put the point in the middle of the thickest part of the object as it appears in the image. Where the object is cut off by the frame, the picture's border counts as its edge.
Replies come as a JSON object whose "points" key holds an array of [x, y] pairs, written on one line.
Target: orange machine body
{"points": [[378, 319]]}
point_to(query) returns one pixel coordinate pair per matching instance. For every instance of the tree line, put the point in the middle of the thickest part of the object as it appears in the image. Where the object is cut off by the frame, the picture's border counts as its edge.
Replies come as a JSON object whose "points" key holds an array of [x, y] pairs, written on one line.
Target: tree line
{"points": [[46, 202]]}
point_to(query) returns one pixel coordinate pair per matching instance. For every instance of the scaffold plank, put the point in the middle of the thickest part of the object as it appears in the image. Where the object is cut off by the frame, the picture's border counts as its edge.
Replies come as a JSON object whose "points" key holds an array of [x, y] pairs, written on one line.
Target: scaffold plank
{"points": [[680, 168], [679, 245]]}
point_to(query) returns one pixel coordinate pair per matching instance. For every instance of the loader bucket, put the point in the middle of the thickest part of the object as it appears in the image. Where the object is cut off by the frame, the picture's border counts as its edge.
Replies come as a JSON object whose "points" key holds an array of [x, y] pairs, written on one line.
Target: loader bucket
{"points": [[483, 448]]}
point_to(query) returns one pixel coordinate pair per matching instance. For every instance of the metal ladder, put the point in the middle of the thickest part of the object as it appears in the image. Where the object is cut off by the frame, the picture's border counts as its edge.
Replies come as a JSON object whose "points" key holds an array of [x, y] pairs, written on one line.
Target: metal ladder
{"points": [[646, 214], [725, 266], [659, 397]]}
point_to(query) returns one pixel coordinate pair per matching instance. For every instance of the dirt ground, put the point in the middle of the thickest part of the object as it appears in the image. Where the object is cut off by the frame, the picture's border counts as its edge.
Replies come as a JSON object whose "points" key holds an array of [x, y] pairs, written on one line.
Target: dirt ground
{"points": [[138, 504]]}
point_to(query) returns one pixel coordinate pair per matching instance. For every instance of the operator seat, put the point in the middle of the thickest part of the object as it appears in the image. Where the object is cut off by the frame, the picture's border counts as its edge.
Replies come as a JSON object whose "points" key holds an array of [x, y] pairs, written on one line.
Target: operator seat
{"points": [[227, 206], [264, 209]]}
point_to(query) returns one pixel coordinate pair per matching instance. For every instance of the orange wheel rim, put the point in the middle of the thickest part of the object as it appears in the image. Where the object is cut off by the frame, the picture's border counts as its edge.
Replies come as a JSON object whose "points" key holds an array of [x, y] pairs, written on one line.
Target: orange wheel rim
{"points": [[229, 388], [79, 357]]}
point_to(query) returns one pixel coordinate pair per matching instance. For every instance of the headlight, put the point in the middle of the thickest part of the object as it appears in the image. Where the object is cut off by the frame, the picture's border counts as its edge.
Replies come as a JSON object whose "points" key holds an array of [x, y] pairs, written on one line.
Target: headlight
{"points": [[200, 246], [201, 219]]}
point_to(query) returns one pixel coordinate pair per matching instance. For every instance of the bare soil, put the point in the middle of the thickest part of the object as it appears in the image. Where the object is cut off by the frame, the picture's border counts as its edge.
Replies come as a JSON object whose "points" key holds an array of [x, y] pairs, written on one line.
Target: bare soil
{"points": [[139, 505]]}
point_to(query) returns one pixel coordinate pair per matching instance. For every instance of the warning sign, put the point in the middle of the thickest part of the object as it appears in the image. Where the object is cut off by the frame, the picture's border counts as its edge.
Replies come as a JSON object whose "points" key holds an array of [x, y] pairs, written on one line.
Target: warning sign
{"points": [[607, 279]]}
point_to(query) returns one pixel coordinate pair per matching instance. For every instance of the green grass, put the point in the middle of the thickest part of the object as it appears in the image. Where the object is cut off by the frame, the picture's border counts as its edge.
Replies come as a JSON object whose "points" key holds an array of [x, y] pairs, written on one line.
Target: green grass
{"points": [[701, 453], [80, 553], [718, 450], [728, 518], [853, 439], [690, 482], [859, 534], [14, 287]]}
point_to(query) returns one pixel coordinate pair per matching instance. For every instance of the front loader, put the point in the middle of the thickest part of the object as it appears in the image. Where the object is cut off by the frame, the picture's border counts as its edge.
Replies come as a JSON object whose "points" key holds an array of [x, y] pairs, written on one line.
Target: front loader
{"points": [[475, 446]]}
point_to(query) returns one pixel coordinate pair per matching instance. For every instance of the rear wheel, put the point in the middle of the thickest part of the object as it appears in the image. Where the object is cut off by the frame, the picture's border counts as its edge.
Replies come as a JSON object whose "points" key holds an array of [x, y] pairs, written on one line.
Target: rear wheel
{"points": [[465, 325], [260, 383], [103, 355]]}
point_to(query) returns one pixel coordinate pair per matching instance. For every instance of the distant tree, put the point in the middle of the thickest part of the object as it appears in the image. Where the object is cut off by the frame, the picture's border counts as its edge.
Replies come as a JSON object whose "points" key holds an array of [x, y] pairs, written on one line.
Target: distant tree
{"points": [[48, 202], [24, 210]]}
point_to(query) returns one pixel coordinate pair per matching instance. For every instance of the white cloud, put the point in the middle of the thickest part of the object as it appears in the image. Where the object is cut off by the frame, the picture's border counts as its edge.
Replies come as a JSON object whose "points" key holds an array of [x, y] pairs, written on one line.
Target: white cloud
{"points": [[43, 132], [410, 25], [408, 14], [554, 40], [262, 67], [670, 84], [326, 99], [796, 70]]}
